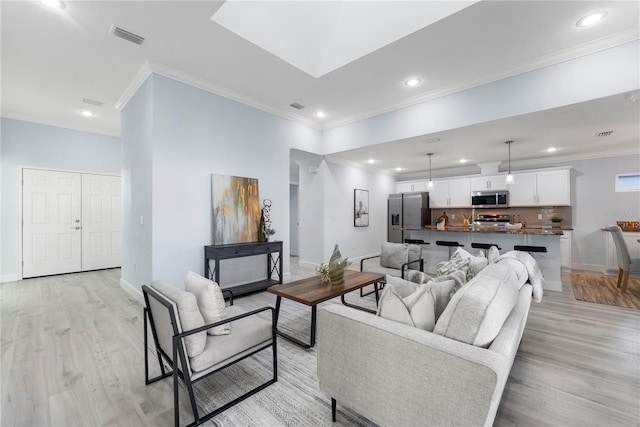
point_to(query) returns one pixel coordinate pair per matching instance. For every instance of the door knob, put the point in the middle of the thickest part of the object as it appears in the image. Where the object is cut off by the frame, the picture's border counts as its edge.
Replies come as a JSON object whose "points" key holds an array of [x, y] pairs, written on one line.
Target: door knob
{"points": [[77, 220], [77, 227]]}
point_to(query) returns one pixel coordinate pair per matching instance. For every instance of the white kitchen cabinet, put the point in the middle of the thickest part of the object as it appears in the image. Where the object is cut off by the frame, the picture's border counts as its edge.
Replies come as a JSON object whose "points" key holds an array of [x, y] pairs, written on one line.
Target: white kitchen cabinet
{"points": [[489, 182], [409, 186], [450, 193], [544, 188], [630, 238], [523, 191], [553, 188]]}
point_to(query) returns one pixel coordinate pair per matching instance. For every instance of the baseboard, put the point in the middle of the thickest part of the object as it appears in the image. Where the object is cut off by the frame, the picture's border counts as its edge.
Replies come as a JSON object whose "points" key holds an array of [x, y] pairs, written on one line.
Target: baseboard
{"points": [[134, 292], [286, 277], [552, 286], [589, 267], [9, 278], [307, 264]]}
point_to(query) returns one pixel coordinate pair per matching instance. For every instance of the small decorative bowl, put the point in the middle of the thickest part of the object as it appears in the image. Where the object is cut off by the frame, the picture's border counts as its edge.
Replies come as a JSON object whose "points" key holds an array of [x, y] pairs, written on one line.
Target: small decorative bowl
{"points": [[513, 226]]}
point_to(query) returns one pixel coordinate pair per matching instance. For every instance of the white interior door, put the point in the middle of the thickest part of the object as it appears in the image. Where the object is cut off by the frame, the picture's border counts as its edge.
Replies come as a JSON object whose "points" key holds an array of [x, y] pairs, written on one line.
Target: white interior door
{"points": [[101, 221], [51, 242]]}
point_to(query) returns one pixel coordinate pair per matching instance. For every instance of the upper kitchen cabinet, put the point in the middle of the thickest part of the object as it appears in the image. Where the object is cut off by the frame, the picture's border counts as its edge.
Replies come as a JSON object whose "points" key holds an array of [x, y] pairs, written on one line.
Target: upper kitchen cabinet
{"points": [[544, 188], [450, 193], [409, 186], [489, 182]]}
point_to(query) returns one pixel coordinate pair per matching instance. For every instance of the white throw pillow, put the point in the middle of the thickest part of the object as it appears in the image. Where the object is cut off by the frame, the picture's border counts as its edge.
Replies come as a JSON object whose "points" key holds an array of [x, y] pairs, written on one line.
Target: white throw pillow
{"points": [[188, 315], [403, 287], [476, 263], [417, 309], [493, 254], [210, 301]]}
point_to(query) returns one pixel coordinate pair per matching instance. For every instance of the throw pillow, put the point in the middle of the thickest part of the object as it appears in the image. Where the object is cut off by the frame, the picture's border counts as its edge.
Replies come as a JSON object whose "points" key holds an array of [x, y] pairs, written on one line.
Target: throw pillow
{"points": [[417, 277], [416, 309], [493, 254], [188, 315], [476, 263], [453, 265], [442, 292], [402, 287], [210, 301]]}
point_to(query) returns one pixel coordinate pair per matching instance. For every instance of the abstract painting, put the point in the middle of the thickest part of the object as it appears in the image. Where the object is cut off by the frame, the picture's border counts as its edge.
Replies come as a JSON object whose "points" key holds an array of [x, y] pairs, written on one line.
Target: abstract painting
{"points": [[360, 208], [236, 209]]}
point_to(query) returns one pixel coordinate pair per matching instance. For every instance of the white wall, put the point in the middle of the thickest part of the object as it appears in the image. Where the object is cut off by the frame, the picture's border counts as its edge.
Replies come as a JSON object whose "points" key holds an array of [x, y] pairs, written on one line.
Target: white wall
{"points": [[49, 147], [601, 74], [194, 134], [294, 236]]}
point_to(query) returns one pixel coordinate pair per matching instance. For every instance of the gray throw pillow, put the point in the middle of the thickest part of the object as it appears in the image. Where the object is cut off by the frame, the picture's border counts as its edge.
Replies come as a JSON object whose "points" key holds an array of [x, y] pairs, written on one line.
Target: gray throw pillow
{"points": [[416, 309]]}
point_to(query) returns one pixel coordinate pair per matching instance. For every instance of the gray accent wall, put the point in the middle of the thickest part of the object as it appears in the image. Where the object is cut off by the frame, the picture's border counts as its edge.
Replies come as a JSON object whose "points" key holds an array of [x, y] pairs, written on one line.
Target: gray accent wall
{"points": [[189, 134], [27, 144]]}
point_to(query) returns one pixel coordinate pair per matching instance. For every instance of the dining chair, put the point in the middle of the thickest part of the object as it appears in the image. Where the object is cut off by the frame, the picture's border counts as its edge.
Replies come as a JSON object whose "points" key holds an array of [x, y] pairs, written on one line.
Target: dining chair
{"points": [[625, 262]]}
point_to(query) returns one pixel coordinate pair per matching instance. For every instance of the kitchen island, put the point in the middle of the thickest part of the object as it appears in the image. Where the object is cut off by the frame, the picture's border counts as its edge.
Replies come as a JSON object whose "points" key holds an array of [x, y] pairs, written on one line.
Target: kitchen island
{"points": [[549, 261]]}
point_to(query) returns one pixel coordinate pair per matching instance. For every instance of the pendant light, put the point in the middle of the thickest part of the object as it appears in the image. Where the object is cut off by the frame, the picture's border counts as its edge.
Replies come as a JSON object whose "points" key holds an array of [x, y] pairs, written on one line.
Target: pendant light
{"points": [[430, 183], [509, 176]]}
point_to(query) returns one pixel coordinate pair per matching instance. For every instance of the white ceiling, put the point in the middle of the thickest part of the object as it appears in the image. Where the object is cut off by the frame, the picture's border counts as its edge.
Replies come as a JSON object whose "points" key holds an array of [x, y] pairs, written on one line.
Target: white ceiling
{"points": [[51, 59]]}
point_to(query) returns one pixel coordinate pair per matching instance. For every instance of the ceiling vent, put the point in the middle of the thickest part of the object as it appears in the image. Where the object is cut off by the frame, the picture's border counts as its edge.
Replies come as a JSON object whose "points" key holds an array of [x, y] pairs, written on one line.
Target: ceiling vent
{"points": [[297, 106], [605, 133], [92, 102], [129, 36]]}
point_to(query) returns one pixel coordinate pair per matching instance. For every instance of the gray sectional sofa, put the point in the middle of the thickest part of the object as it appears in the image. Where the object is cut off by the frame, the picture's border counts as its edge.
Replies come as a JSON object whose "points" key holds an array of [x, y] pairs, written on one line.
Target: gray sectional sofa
{"points": [[396, 374]]}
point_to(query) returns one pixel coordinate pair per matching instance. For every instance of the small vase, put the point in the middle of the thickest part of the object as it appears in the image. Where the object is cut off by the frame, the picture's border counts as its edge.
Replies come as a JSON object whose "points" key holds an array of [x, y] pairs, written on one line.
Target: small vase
{"points": [[440, 225]]}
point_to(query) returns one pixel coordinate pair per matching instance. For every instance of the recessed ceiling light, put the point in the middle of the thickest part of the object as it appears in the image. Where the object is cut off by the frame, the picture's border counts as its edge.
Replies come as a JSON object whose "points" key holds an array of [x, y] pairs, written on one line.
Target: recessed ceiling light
{"points": [[412, 82], [591, 19], [86, 113], [551, 149], [372, 161], [321, 114], [398, 169], [463, 160], [56, 4]]}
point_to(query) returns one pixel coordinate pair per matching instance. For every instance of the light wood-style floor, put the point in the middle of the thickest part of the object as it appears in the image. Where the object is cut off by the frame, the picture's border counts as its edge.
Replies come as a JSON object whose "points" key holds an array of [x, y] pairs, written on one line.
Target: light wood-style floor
{"points": [[72, 355]]}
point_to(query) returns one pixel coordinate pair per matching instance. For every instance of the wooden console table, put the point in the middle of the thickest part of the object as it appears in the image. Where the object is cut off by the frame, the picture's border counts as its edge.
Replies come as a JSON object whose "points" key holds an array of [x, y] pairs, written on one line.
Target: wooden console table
{"points": [[238, 250]]}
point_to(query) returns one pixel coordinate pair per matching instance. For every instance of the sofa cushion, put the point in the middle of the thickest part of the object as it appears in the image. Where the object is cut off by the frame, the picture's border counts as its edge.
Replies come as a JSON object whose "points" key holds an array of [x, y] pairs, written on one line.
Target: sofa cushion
{"points": [[416, 309], [477, 311], [189, 314], [393, 255], [210, 301], [248, 333]]}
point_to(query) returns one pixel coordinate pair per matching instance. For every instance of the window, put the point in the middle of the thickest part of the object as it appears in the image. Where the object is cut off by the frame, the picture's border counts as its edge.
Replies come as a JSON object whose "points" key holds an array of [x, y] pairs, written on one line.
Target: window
{"points": [[628, 182]]}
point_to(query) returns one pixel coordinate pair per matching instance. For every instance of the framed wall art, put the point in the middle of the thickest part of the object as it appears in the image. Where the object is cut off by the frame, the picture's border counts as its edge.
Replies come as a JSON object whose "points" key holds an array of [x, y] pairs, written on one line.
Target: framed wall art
{"points": [[360, 208], [236, 209]]}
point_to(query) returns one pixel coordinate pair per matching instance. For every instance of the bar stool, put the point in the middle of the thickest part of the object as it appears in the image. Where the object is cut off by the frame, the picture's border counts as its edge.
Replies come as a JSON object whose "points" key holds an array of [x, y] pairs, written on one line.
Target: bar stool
{"points": [[451, 245], [416, 241], [530, 249], [484, 246]]}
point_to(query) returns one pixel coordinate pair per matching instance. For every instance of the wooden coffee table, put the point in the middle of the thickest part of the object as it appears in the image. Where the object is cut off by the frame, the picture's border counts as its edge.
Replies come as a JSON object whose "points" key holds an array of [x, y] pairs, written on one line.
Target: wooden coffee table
{"points": [[311, 291]]}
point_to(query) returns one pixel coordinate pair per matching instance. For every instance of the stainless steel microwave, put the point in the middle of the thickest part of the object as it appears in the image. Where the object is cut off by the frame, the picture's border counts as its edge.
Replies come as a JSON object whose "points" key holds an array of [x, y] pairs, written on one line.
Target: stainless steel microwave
{"points": [[490, 199]]}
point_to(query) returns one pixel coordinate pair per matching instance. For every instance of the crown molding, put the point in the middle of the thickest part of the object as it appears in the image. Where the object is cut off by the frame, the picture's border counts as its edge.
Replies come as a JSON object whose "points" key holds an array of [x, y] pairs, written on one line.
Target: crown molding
{"points": [[519, 165], [583, 49], [141, 76], [59, 123], [151, 67]]}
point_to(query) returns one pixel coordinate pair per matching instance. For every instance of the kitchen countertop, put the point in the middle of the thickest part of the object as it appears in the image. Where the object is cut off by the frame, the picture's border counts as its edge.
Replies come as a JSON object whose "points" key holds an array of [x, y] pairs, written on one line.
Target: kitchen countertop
{"points": [[522, 231]]}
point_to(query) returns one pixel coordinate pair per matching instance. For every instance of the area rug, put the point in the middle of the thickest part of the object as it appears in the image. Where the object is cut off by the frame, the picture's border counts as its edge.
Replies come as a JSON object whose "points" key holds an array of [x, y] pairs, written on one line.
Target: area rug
{"points": [[602, 289], [295, 400]]}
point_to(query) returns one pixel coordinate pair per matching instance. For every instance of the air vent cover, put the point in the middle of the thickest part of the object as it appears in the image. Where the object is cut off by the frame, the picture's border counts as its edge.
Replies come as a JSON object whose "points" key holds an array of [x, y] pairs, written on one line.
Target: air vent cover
{"points": [[605, 133], [92, 102], [127, 35], [297, 106]]}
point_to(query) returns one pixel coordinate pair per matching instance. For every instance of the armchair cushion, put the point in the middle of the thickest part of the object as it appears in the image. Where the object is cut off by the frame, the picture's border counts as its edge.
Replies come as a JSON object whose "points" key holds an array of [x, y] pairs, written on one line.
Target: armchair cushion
{"points": [[248, 333], [210, 301], [393, 255], [189, 316]]}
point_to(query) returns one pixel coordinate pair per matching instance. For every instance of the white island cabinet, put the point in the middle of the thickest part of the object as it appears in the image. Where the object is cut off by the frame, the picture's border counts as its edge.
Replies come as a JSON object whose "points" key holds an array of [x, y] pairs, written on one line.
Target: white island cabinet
{"points": [[549, 262]]}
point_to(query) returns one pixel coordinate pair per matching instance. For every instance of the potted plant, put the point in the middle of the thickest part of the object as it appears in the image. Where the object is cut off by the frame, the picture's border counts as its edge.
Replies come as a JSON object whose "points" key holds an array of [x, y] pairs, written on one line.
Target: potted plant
{"points": [[556, 220]]}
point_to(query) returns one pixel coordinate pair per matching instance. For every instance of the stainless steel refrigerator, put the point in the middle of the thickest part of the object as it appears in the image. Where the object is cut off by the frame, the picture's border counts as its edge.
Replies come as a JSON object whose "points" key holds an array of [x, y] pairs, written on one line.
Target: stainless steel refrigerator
{"points": [[406, 210]]}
